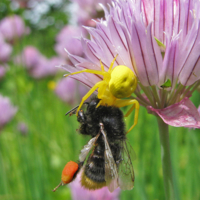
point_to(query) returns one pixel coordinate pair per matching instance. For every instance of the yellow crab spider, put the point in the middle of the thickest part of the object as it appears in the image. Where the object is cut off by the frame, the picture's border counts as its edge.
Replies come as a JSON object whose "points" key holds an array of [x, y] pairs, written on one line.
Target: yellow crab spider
{"points": [[119, 82]]}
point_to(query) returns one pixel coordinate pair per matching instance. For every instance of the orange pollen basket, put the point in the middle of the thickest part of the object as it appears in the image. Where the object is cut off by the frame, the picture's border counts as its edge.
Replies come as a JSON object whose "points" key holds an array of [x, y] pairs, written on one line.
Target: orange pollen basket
{"points": [[68, 172]]}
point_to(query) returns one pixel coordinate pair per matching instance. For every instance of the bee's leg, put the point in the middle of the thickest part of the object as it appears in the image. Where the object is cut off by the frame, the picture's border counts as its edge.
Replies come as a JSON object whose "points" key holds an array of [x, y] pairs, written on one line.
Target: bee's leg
{"points": [[81, 116], [135, 105], [68, 174], [80, 165], [101, 126]]}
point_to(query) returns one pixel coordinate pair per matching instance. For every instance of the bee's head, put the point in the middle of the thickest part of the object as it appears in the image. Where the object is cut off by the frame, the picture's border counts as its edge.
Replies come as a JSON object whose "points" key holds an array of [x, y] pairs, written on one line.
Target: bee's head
{"points": [[92, 105]]}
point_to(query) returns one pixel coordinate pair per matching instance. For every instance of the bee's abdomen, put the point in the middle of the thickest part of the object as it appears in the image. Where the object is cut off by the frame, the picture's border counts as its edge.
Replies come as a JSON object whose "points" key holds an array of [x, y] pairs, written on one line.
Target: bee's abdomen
{"points": [[93, 176], [94, 170]]}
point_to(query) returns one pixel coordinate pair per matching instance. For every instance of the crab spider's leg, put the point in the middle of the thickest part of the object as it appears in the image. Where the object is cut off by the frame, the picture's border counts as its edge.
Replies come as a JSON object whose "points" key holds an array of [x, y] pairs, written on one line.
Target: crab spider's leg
{"points": [[102, 67], [130, 110], [135, 105], [88, 71], [99, 104], [101, 92], [112, 63], [97, 85]]}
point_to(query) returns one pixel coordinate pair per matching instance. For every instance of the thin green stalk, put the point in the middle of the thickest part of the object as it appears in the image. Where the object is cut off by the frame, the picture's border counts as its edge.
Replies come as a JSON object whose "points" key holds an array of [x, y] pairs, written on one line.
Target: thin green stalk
{"points": [[166, 160], [164, 94], [155, 92], [142, 103], [173, 97], [186, 92], [195, 86], [141, 97], [148, 94]]}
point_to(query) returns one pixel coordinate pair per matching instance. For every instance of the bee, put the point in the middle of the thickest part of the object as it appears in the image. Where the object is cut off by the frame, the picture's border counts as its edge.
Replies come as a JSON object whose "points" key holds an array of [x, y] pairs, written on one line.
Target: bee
{"points": [[110, 161]]}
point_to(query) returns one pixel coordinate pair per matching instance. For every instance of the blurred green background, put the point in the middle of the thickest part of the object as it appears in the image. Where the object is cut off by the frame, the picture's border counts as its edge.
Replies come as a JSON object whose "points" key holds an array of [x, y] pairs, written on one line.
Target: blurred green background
{"points": [[31, 163]]}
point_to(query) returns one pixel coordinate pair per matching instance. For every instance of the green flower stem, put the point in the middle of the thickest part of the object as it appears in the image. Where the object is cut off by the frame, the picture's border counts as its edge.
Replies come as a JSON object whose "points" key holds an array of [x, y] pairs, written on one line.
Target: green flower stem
{"points": [[155, 92], [166, 160]]}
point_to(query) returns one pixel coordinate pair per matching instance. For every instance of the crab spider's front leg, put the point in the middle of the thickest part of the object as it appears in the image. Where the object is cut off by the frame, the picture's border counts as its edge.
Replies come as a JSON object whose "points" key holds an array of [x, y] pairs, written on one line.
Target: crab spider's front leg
{"points": [[88, 71], [135, 105], [97, 85]]}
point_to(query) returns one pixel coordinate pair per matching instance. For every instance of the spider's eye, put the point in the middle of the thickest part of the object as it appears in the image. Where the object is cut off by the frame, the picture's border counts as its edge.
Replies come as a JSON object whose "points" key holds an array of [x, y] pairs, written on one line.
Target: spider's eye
{"points": [[123, 82]]}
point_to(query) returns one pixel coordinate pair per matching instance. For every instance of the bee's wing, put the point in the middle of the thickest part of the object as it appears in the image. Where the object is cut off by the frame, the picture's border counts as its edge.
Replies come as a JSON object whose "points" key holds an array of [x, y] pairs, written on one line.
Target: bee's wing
{"points": [[86, 149], [111, 175], [125, 169]]}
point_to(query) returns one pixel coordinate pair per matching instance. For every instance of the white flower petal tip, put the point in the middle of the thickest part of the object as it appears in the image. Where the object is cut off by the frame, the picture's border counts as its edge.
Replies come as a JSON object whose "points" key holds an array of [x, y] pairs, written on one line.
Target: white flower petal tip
{"points": [[181, 114]]}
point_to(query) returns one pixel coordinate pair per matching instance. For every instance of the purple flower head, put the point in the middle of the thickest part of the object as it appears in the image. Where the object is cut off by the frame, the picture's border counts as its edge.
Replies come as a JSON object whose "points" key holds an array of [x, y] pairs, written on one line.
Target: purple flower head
{"points": [[84, 3], [68, 38], [67, 89], [84, 18], [13, 27], [91, 4], [29, 58], [5, 50], [88, 9], [160, 42], [78, 192], [7, 111], [38, 65], [45, 67]]}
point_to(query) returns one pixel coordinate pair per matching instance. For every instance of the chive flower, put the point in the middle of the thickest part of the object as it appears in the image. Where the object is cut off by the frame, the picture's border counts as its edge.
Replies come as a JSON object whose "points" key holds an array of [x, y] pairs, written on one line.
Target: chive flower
{"points": [[160, 42]]}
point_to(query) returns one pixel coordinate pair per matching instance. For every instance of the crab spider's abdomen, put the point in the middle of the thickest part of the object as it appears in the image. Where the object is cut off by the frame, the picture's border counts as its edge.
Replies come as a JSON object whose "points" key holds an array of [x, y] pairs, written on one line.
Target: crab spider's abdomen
{"points": [[119, 83], [123, 82]]}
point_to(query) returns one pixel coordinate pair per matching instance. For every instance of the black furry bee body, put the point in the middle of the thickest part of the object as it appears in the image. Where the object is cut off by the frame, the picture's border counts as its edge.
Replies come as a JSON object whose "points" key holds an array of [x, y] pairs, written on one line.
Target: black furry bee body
{"points": [[111, 117], [110, 163]]}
